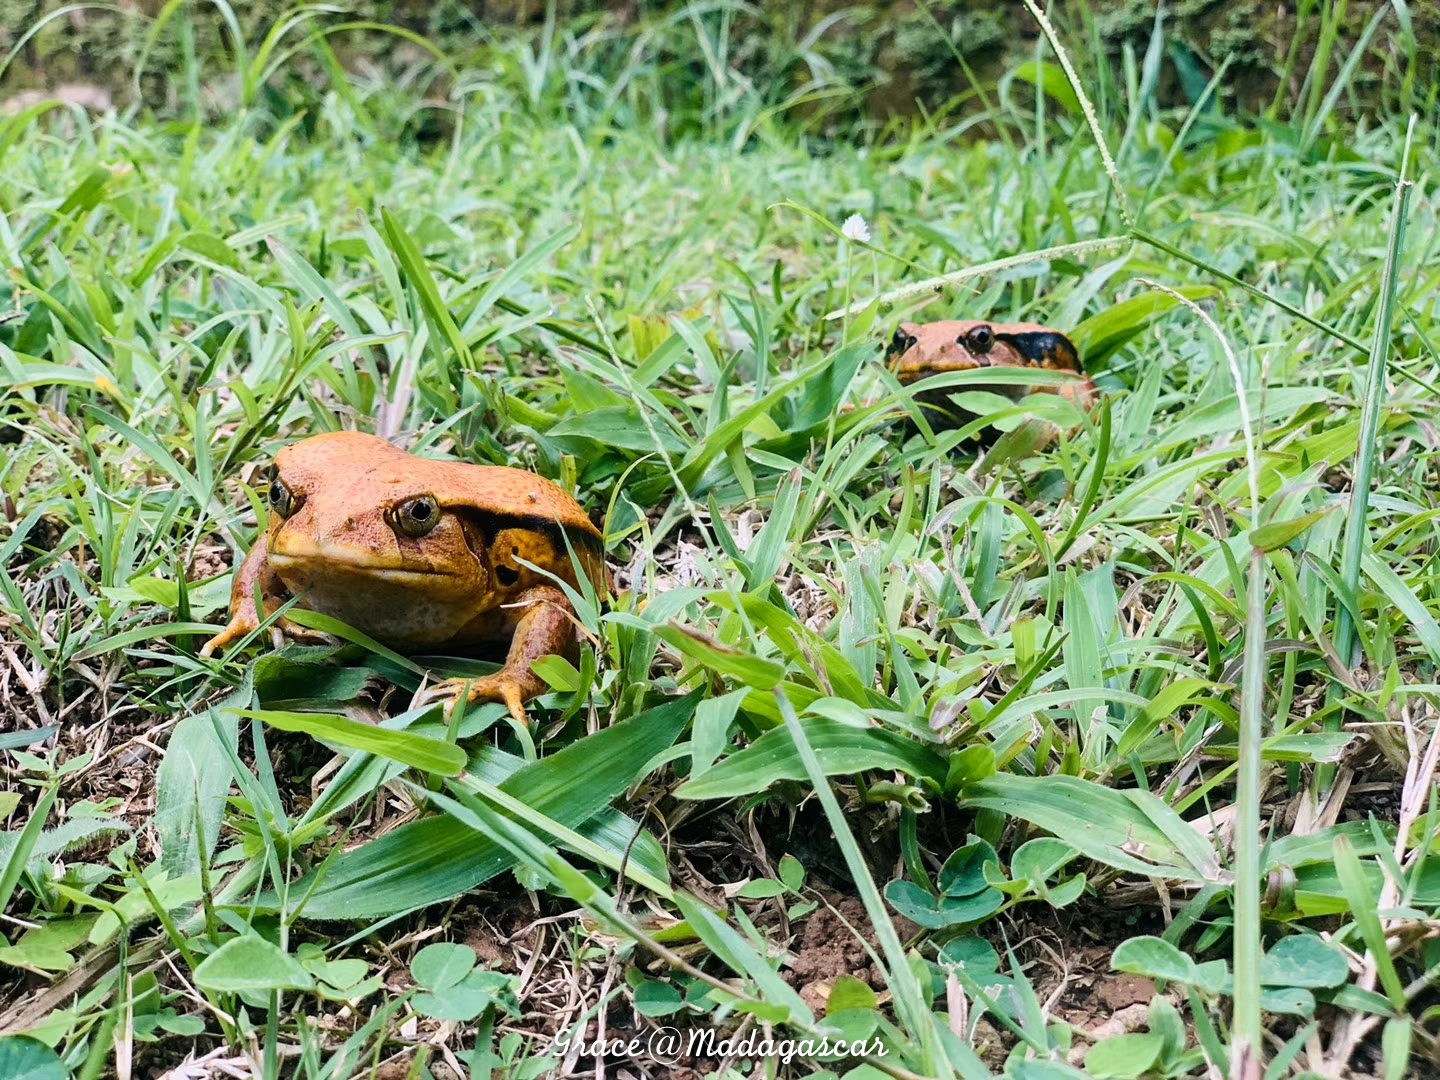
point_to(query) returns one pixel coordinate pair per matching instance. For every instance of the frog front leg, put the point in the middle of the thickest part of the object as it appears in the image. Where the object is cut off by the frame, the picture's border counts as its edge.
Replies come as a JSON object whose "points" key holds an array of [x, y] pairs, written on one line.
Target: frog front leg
{"points": [[244, 619], [546, 628]]}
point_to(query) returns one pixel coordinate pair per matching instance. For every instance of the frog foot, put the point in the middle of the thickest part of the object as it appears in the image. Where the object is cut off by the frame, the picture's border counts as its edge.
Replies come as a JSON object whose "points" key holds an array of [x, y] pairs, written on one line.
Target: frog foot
{"points": [[281, 630], [510, 687]]}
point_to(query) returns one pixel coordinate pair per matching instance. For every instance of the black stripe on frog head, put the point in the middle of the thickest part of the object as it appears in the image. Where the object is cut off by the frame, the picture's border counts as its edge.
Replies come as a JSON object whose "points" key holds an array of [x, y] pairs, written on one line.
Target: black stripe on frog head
{"points": [[1044, 348]]}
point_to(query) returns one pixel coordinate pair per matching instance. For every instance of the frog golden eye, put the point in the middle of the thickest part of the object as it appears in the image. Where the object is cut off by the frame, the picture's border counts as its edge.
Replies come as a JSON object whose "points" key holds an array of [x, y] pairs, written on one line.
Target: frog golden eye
{"points": [[979, 340], [418, 516], [282, 500]]}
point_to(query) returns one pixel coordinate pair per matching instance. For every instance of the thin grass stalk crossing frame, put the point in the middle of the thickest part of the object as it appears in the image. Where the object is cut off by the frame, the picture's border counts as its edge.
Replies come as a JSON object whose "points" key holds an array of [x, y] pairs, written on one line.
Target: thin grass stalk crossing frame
{"points": [[1357, 531], [994, 266], [1091, 118], [1246, 1033], [909, 1004]]}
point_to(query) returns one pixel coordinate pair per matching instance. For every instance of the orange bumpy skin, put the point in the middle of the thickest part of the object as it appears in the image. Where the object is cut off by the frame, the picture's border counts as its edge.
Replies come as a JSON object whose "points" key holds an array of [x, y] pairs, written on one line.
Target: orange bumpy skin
{"points": [[417, 554]]}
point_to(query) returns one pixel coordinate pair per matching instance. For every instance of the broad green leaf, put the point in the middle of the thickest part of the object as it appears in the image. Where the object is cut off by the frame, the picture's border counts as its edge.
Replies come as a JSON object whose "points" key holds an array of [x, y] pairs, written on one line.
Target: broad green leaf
{"points": [[442, 964], [1051, 79], [1043, 1070], [48, 947], [1395, 1043], [754, 671], [1304, 960], [761, 889], [1287, 1000], [656, 998], [1159, 959], [841, 749], [1277, 534], [1303, 849], [1064, 894], [620, 426], [1104, 332], [938, 912], [963, 873], [209, 246], [1040, 859], [976, 955], [438, 858], [1129, 830], [1166, 1021], [848, 992], [792, 873], [293, 676], [24, 1058], [251, 964], [973, 763], [464, 1000], [191, 786], [1123, 1057]]}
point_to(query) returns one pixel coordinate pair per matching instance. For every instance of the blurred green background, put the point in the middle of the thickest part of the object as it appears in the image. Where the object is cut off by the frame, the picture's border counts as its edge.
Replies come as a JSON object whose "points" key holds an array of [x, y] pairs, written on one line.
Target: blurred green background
{"points": [[849, 62]]}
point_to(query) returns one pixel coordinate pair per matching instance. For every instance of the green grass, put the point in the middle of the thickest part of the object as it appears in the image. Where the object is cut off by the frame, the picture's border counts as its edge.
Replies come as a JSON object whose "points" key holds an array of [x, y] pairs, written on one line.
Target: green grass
{"points": [[1159, 688]]}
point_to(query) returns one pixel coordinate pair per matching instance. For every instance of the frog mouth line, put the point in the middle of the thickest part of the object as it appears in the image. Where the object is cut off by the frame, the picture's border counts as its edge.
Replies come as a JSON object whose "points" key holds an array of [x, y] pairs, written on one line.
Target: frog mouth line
{"points": [[309, 560]]}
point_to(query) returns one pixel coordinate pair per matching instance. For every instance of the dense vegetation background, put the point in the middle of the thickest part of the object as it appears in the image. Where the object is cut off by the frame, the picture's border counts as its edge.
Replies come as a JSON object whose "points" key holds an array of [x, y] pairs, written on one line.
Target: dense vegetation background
{"points": [[890, 57]]}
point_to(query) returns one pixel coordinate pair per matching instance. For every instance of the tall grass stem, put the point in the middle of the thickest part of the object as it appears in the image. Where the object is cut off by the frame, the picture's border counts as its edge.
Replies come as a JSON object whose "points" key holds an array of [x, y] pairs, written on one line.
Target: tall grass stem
{"points": [[1356, 531], [1246, 1032]]}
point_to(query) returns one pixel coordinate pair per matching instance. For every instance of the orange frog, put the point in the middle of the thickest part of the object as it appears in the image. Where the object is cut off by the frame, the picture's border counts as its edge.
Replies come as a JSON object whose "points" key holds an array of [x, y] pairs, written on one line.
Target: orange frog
{"points": [[417, 554], [919, 350]]}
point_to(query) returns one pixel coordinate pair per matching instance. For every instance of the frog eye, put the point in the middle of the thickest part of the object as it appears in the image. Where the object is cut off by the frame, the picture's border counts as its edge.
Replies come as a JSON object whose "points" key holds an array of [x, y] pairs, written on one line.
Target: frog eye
{"points": [[900, 342], [978, 340], [418, 516], [281, 499]]}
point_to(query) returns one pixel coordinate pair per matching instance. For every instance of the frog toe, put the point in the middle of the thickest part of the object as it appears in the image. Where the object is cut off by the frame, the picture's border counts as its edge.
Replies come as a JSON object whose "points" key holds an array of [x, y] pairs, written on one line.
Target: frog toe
{"points": [[284, 629], [508, 688], [234, 630], [513, 696]]}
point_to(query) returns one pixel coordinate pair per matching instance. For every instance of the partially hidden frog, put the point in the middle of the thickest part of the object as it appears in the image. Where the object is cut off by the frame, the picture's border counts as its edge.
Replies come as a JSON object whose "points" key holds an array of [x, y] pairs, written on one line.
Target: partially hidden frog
{"points": [[919, 350], [419, 554]]}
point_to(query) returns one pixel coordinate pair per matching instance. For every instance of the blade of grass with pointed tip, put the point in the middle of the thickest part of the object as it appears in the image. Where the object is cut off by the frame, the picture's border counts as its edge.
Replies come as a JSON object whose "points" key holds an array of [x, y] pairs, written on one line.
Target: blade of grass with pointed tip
{"points": [[1367, 919], [438, 858], [1357, 529], [436, 312], [900, 978], [406, 747]]}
